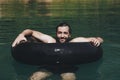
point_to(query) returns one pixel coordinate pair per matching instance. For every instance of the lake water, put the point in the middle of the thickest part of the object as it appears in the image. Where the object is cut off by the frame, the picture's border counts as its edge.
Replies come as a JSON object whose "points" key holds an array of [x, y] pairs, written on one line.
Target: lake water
{"points": [[86, 17]]}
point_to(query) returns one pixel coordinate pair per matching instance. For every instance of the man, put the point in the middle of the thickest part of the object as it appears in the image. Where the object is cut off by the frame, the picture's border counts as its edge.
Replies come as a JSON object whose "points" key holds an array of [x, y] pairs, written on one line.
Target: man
{"points": [[63, 34]]}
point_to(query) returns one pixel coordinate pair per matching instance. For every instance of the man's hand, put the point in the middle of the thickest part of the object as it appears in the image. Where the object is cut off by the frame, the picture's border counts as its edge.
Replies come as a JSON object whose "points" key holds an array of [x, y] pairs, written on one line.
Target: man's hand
{"points": [[96, 42], [20, 38]]}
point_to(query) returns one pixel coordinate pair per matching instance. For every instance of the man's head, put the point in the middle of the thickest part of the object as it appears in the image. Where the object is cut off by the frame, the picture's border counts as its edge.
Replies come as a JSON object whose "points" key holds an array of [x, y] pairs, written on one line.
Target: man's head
{"points": [[63, 32]]}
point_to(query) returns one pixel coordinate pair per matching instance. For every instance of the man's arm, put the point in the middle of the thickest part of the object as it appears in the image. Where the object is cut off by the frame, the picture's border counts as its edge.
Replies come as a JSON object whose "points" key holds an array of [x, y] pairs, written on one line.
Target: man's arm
{"points": [[40, 36], [95, 40]]}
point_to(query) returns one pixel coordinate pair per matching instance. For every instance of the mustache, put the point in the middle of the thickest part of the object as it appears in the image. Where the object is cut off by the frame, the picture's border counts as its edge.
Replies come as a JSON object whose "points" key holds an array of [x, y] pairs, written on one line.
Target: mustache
{"points": [[62, 38]]}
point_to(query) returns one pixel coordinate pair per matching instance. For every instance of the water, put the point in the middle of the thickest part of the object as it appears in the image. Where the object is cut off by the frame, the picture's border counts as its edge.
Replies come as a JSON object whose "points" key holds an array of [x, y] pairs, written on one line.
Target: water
{"points": [[86, 17]]}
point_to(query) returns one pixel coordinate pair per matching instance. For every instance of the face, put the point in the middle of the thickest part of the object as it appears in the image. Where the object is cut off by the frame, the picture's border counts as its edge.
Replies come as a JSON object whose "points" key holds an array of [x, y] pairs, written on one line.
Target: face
{"points": [[63, 33]]}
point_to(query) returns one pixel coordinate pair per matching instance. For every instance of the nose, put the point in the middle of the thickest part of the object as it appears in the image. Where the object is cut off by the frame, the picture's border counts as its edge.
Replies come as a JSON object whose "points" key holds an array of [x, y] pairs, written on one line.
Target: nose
{"points": [[62, 35]]}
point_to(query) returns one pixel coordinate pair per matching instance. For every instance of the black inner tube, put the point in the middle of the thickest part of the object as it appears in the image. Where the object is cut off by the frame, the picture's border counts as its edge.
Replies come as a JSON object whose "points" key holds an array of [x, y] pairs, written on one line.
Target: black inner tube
{"points": [[56, 53]]}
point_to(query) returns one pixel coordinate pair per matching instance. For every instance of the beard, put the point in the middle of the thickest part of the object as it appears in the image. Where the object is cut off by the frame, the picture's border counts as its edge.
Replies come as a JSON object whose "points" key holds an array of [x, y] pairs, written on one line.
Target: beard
{"points": [[62, 40]]}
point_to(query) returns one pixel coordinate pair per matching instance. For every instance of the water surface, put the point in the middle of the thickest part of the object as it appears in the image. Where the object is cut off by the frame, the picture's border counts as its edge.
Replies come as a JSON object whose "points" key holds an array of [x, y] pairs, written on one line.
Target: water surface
{"points": [[86, 17]]}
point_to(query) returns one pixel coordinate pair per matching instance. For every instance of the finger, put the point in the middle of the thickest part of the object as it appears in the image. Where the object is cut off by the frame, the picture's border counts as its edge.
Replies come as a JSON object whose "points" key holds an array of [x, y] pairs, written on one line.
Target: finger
{"points": [[24, 39], [97, 43], [14, 44]]}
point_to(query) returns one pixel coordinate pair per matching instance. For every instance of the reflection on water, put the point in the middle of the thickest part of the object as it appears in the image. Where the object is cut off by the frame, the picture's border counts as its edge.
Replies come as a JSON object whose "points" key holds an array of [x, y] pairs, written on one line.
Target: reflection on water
{"points": [[93, 16], [85, 72], [90, 71], [21, 8], [86, 17]]}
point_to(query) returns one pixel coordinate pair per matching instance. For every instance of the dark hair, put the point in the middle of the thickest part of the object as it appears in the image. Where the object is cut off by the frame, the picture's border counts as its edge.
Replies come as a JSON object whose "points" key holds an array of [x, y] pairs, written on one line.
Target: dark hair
{"points": [[63, 25]]}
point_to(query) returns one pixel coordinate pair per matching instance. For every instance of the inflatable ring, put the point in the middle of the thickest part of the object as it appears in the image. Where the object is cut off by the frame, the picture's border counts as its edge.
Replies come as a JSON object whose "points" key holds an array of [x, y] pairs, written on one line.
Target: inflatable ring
{"points": [[56, 53]]}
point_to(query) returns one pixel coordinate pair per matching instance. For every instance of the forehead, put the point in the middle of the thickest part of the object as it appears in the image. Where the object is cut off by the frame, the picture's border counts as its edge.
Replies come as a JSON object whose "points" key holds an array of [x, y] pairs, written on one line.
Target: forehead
{"points": [[63, 28]]}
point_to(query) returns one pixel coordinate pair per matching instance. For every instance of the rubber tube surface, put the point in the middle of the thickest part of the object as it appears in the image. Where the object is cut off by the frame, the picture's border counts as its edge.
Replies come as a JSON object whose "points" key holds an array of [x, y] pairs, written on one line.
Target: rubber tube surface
{"points": [[56, 53]]}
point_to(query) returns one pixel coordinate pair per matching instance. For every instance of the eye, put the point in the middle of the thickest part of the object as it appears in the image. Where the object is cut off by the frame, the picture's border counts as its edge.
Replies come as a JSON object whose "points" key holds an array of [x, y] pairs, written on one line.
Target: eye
{"points": [[59, 32], [65, 32]]}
